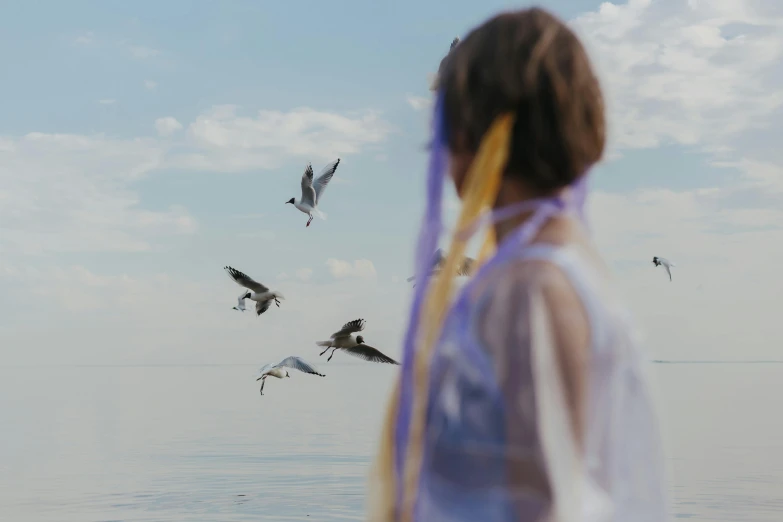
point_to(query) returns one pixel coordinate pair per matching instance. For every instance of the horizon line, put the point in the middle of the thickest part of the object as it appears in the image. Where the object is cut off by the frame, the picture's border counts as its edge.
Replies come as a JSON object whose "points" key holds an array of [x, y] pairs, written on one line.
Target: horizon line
{"points": [[204, 365], [718, 361]]}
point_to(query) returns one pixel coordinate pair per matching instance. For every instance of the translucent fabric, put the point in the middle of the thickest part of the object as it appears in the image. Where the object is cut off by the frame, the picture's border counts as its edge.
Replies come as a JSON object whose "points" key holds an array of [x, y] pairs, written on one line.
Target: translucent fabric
{"points": [[524, 398], [508, 437]]}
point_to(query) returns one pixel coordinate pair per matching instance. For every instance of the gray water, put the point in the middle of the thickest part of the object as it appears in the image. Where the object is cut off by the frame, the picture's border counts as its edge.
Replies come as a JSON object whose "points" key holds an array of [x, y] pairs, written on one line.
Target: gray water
{"points": [[198, 443]]}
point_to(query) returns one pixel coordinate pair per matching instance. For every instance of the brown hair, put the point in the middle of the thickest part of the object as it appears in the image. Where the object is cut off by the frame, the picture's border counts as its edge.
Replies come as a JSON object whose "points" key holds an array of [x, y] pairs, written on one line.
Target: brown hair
{"points": [[529, 63]]}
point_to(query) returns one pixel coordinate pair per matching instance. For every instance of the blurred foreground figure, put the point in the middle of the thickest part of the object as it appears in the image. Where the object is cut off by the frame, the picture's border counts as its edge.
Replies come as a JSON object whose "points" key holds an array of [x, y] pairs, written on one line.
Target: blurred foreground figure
{"points": [[523, 397]]}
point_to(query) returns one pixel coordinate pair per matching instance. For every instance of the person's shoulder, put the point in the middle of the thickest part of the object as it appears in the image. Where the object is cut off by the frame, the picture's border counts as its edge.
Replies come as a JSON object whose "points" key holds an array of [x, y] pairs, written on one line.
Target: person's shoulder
{"points": [[523, 278], [508, 295]]}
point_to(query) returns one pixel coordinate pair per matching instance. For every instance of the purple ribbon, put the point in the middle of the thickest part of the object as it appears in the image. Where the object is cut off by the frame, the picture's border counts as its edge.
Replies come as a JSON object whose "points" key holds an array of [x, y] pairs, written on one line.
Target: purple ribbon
{"points": [[428, 239]]}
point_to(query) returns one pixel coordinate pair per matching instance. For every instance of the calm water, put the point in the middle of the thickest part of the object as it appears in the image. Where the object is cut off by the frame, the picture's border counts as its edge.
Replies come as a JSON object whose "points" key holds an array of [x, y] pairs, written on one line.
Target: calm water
{"points": [[199, 443]]}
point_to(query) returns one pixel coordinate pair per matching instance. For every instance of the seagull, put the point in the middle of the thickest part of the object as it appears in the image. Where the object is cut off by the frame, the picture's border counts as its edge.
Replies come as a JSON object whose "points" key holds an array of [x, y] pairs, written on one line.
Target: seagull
{"points": [[241, 303], [657, 261], [354, 344], [465, 268], [278, 370], [436, 77], [313, 190], [258, 292]]}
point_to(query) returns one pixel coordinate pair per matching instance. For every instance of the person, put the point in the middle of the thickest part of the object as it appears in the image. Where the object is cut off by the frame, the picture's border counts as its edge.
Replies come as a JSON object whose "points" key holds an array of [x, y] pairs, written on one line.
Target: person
{"points": [[524, 398]]}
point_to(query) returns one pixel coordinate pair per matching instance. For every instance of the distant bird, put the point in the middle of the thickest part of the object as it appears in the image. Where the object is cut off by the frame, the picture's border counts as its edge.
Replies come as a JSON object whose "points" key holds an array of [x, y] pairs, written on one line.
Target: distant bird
{"points": [[435, 79], [278, 370], [354, 344], [312, 190], [259, 293], [657, 261], [464, 268], [241, 303]]}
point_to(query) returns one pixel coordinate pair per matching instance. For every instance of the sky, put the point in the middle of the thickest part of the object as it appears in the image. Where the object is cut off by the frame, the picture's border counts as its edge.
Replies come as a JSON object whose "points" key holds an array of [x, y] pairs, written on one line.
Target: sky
{"points": [[146, 145]]}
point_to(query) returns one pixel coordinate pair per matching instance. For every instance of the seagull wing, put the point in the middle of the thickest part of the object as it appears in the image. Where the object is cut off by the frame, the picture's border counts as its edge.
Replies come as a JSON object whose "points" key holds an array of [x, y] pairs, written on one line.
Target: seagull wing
{"points": [[668, 270], [244, 280], [308, 192], [438, 258], [466, 267], [297, 363], [357, 325], [262, 307], [437, 261], [241, 301], [368, 353], [264, 370], [324, 178]]}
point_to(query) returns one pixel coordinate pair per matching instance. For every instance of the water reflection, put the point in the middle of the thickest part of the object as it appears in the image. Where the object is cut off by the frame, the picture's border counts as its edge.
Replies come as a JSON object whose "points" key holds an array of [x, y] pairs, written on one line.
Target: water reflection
{"points": [[200, 443]]}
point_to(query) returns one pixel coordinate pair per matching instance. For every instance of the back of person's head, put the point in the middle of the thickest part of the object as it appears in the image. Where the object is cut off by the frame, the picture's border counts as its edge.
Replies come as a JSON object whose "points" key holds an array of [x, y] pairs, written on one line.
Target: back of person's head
{"points": [[529, 63]]}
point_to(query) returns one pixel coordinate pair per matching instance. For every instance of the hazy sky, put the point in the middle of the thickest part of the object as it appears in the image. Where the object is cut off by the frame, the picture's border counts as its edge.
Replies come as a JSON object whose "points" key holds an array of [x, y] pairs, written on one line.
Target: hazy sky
{"points": [[144, 145]]}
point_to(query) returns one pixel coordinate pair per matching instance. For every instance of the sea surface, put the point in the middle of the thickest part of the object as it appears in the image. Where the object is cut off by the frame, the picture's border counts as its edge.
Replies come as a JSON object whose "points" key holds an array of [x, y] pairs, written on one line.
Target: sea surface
{"points": [[198, 443]]}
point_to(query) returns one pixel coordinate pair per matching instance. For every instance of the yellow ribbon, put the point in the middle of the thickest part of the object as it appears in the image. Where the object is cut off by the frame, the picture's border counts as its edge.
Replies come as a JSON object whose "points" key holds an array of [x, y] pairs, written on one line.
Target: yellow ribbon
{"points": [[481, 188]]}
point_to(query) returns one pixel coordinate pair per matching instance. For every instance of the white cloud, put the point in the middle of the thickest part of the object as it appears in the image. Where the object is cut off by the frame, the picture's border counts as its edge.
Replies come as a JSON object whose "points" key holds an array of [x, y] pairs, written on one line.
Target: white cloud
{"points": [[699, 74], [68, 192], [722, 302], [704, 75], [167, 126], [691, 73], [419, 103], [77, 289], [150, 85], [360, 268], [107, 101], [85, 39], [226, 141], [265, 235], [304, 274], [695, 223], [142, 53], [71, 192], [764, 176], [251, 215]]}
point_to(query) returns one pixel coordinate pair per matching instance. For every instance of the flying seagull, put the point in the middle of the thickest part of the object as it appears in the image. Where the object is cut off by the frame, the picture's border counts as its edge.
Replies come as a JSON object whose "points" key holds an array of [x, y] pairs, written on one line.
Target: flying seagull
{"points": [[279, 370], [353, 344], [434, 82], [241, 303], [465, 268], [257, 292], [312, 190], [657, 261]]}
